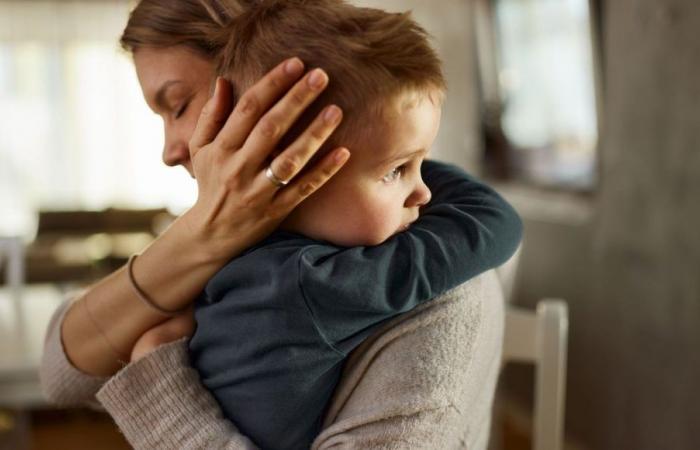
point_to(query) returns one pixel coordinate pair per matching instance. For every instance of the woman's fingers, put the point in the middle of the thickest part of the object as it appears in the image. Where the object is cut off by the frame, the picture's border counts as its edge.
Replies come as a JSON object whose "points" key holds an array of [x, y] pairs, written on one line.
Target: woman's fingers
{"points": [[290, 162], [297, 191], [213, 116], [235, 197], [256, 101], [279, 119]]}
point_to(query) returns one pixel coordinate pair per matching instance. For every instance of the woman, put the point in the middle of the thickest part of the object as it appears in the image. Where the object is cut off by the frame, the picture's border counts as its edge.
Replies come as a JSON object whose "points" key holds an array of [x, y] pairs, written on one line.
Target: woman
{"points": [[157, 399]]}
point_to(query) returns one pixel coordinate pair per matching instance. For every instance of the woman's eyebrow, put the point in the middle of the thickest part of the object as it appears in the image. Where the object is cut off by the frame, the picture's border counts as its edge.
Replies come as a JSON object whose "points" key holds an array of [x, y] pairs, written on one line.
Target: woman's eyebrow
{"points": [[160, 95]]}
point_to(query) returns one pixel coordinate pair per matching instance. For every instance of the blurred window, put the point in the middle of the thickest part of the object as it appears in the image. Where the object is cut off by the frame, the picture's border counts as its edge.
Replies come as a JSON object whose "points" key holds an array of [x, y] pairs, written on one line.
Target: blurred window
{"points": [[539, 96], [75, 131]]}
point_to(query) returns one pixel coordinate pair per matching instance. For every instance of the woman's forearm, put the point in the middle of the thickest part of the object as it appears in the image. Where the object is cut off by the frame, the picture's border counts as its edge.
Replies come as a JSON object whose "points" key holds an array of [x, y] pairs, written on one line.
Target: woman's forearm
{"points": [[172, 271]]}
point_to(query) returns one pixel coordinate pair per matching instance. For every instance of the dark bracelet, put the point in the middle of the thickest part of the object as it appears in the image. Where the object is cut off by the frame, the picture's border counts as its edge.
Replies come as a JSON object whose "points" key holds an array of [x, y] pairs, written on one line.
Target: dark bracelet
{"points": [[142, 295]]}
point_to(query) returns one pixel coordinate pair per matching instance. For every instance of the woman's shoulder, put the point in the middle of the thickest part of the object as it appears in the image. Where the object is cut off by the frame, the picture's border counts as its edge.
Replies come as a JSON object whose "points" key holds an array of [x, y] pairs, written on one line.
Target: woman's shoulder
{"points": [[473, 308], [441, 358], [448, 328]]}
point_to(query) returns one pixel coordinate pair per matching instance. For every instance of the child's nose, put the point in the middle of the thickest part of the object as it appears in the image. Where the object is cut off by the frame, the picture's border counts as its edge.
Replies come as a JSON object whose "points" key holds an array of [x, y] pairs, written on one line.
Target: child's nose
{"points": [[420, 196]]}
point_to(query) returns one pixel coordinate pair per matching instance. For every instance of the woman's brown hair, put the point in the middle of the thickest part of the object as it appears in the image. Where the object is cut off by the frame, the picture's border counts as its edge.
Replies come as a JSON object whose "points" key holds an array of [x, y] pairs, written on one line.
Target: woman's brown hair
{"points": [[168, 23]]}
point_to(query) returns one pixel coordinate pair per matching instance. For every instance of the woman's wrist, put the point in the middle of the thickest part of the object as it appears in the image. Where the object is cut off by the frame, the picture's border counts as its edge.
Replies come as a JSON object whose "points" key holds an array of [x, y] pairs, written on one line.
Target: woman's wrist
{"points": [[211, 243]]}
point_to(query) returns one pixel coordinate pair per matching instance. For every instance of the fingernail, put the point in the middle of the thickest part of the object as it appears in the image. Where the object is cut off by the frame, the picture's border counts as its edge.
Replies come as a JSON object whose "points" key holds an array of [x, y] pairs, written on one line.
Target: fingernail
{"points": [[332, 114], [341, 156], [317, 78], [293, 67], [217, 83]]}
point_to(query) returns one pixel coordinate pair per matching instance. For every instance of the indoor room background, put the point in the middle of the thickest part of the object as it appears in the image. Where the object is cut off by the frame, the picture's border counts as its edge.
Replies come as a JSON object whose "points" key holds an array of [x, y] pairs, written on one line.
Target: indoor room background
{"points": [[584, 114]]}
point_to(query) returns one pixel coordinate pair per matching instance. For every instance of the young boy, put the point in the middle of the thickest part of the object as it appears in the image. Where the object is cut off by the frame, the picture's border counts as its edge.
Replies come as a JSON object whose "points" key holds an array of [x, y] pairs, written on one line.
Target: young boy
{"points": [[276, 324]]}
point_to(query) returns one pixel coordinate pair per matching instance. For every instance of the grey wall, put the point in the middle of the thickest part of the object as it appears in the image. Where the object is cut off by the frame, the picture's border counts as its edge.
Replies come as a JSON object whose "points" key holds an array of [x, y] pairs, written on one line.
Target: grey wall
{"points": [[646, 240]]}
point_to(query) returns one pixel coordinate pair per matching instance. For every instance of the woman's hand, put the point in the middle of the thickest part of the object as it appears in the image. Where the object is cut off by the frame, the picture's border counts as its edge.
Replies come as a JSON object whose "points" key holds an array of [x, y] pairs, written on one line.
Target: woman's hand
{"points": [[238, 204], [171, 330]]}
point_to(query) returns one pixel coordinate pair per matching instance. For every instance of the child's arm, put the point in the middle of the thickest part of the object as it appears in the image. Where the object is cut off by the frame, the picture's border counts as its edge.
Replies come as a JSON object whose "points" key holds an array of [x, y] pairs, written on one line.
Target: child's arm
{"points": [[465, 230]]}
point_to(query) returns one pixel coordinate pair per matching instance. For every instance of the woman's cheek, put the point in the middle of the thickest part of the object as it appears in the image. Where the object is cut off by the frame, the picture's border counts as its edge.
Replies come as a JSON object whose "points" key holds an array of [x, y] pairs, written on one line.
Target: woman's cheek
{"points": [[193, 113]]}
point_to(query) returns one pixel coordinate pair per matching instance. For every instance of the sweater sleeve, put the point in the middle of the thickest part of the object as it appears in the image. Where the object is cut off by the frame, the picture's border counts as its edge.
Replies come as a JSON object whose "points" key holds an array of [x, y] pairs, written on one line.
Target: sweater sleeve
{"points": [[61, 382], [464, 231], [158, 402]]}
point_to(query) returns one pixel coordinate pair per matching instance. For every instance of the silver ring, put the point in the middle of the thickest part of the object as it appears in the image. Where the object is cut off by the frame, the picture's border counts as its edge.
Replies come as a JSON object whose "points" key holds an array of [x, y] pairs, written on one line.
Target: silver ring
{"points": [[273, 178]]}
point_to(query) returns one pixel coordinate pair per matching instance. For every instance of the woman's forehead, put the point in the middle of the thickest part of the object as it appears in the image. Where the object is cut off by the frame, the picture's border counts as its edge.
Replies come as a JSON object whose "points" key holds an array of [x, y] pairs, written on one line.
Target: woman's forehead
{"points": [[156, 67]]}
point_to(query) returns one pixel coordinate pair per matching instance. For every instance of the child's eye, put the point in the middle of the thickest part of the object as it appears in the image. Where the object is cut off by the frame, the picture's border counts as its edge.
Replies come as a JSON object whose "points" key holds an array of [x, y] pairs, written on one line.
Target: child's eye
{"points": [[394, 174]]}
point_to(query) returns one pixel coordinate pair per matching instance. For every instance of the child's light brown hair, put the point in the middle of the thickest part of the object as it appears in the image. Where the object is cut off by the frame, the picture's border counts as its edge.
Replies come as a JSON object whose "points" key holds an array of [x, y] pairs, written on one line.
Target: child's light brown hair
{"points": [[370, 55]]}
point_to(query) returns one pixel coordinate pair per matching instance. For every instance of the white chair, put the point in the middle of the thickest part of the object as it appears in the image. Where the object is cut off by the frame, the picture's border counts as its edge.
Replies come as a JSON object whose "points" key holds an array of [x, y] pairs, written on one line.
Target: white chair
{"points": [[540, 337]]}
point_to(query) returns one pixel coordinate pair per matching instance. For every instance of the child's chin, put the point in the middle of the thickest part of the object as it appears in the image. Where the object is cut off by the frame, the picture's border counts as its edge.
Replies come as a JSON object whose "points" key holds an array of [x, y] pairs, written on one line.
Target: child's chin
{"points": [[358, 241], [371, 241]]}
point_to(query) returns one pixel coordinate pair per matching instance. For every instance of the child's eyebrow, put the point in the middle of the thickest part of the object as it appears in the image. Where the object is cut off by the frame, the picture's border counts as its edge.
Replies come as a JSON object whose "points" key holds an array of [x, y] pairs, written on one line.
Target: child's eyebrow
{"points": [[403, 155]]}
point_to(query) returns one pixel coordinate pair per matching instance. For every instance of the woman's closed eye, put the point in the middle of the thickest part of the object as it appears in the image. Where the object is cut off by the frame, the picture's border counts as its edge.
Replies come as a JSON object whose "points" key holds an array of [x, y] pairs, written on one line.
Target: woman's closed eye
{"points": [[394, 174], [181, 110]]}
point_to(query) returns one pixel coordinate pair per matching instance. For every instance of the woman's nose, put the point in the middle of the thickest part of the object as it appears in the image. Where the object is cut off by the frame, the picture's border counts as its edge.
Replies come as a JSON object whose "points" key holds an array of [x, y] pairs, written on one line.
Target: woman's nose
{"points": [[420, 196], [175, 152]]}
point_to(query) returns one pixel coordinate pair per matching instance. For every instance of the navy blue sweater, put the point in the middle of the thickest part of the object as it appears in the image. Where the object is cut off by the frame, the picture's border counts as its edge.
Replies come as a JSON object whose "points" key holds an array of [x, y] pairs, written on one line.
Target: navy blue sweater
{"points": [[275, 325]]}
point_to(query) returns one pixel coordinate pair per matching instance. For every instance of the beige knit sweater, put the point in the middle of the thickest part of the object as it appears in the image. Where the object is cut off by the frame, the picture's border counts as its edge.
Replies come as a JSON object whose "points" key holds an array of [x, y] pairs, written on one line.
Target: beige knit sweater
{"points": [[424, 381]]}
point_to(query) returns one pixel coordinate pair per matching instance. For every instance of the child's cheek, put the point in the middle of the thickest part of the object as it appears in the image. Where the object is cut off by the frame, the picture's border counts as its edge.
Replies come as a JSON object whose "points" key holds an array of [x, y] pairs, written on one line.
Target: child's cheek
{"points": [[384, 222]]}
